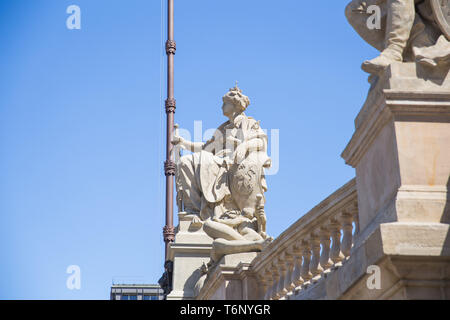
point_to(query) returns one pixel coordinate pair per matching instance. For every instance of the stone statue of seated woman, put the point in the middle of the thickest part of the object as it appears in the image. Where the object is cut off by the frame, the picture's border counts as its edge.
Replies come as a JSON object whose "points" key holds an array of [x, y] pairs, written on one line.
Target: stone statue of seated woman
{"points": [[223, 181]]}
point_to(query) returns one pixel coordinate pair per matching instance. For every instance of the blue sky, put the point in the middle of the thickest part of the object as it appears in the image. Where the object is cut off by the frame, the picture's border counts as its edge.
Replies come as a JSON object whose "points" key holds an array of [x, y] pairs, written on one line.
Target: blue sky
{"points": [[82, 123]]}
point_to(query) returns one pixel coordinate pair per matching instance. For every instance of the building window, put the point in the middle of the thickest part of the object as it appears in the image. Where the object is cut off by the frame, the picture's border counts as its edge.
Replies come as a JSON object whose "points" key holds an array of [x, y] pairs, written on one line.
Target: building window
{"points": [[124, 297], [148, 297], [133, 297]]}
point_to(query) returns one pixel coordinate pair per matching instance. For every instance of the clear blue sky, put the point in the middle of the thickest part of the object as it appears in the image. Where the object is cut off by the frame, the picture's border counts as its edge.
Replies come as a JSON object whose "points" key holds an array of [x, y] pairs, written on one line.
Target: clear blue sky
{"points": [[81, 124]]}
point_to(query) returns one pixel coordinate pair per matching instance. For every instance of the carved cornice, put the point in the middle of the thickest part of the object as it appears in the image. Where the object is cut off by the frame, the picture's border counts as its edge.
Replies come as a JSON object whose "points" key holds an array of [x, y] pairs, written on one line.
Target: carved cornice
{"points": [[399, 95], [418, 103], [365, 135], [187, 248], [396, 106]]}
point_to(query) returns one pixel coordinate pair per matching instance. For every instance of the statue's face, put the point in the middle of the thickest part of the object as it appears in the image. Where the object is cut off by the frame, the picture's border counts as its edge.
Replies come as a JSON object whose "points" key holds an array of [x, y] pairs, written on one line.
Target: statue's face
{"points": [[227, 108]]}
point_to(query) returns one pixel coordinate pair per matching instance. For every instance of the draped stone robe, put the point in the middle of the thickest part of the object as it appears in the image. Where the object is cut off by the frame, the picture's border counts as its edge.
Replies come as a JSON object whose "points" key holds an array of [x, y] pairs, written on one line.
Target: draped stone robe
{"points": [[203, 178]]}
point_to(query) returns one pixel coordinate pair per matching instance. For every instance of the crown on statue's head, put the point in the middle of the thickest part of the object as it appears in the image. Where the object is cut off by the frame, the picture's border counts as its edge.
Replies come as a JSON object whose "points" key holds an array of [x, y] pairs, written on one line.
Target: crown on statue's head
{"points": [[236, 88], [235, 96]]}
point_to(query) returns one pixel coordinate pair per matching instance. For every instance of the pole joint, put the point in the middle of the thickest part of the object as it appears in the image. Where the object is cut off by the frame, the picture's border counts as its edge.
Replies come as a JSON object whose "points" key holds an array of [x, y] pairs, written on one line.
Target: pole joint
{"points": [[171, 47], [171, 105], [169, 234], [169, 168]]}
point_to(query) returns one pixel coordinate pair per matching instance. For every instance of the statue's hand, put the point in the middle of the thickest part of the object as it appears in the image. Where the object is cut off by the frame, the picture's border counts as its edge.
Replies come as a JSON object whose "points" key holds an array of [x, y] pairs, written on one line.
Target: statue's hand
{"points": [[176, 140]]}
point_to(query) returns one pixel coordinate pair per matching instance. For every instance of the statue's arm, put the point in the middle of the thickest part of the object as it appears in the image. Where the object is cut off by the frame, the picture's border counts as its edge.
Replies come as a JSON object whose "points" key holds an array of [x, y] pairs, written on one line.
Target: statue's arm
{"points": [[188, 145], [209, 145], [194, 146]]}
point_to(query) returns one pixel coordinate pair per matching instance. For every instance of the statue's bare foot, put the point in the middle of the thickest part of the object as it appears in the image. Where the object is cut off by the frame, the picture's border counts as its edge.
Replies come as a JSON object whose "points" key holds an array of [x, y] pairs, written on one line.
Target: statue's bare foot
{"points": [[380, 63]]}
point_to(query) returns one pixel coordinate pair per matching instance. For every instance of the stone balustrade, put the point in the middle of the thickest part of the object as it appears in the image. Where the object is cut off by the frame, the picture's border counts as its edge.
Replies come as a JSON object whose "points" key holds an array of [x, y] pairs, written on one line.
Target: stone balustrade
{"points": [[318, 243]]}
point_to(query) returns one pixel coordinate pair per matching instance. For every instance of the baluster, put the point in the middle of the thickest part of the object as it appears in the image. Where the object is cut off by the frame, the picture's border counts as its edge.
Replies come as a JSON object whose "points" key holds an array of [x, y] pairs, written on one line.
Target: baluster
{"points": [[297, 251], [289, 262], [268, 276], [262, 285], [355, 215], [305, 273], [315, 267], [275, 278], [325, 240], [282, 271], [336, 254], [347, 239]]}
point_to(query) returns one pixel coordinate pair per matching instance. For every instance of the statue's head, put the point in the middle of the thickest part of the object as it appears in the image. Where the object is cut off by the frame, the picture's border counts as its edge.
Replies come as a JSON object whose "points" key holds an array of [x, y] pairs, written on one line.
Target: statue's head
{"points": [[234, 101]]}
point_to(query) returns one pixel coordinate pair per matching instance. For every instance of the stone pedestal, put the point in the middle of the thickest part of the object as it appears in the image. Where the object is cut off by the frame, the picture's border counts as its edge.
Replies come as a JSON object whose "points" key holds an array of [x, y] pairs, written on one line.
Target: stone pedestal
{"points": [[401, 153], [190, 250], [401, 148], [231, 279]]}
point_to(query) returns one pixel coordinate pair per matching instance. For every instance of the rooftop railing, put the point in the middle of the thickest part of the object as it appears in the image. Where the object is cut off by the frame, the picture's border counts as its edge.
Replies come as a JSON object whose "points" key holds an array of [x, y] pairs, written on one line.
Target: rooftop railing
{"points": [[315, 245]]}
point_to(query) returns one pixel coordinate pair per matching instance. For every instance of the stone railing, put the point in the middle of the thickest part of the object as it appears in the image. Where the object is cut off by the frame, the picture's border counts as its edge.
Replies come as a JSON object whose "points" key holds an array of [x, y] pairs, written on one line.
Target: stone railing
{"points": [[312, 247]]}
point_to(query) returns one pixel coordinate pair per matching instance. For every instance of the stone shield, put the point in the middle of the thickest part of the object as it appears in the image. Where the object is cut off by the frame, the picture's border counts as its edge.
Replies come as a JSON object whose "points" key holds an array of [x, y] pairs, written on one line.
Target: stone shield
{"points": [[245, 183], [441, 12]]}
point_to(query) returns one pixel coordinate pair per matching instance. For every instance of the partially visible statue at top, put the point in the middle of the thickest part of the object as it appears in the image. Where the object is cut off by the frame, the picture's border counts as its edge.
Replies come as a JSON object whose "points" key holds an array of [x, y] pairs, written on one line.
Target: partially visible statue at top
{"points": [[223, 180], [411, 30]]}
